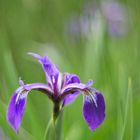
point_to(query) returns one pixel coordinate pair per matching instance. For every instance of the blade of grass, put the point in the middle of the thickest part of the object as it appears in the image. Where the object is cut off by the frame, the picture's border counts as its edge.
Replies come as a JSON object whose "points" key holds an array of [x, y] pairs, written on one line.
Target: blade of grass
{"points": [[127, 129]]}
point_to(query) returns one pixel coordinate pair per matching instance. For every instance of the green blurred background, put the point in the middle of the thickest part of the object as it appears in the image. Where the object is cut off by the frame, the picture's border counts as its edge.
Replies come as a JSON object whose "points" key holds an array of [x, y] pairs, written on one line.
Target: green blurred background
{"points": [[97, 40]]}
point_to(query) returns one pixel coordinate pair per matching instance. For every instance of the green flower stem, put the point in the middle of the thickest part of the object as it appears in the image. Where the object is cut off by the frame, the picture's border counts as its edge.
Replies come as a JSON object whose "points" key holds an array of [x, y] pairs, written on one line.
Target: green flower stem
{"points": [[56, 111], [54, 127]]}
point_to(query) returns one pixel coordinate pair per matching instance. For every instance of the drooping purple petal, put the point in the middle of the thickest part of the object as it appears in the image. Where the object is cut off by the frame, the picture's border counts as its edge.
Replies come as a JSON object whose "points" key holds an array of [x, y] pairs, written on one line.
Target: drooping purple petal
{"points": [[18, 101], [69, 79], [50, 69], [40, 87], [16, 109], [76, 86], [94, 110]]}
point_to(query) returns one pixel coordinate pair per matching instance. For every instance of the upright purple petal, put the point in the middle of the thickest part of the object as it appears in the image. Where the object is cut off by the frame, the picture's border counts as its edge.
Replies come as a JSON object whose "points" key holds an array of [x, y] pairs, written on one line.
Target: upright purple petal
{"points": [[50, 69], [69, 79], [94, 110], [16, 109], [70, 98]]}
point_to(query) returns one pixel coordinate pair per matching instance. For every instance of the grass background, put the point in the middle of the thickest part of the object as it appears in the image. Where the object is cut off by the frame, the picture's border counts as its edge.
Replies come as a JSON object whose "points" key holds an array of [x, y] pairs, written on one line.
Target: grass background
{"points": [[111, 61]]}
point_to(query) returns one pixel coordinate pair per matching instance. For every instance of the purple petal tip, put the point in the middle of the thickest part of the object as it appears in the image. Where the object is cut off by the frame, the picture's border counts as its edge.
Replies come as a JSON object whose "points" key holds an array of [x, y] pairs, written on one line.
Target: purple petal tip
{"points": [[21, 83], [94, 110], [15, 110], [37, 56]]}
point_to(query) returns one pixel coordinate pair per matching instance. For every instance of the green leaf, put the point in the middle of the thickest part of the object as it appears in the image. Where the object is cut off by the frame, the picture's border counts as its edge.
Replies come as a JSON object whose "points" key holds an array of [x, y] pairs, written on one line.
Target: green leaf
{"points": [[127, 122]]}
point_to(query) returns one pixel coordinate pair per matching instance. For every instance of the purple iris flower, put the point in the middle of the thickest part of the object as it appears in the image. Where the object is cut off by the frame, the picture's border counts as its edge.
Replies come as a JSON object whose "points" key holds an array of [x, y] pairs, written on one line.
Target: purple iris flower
{"points": [[62, 89], [116, 17]]}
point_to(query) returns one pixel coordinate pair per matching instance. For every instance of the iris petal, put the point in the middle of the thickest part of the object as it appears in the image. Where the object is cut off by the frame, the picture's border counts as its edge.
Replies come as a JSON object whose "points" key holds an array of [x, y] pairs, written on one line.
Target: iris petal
{"points": [[94, 110], [16, 109], [50, 69], [76, 86], [18, 101], [69, 79], [70, 98], [39, 86]]}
